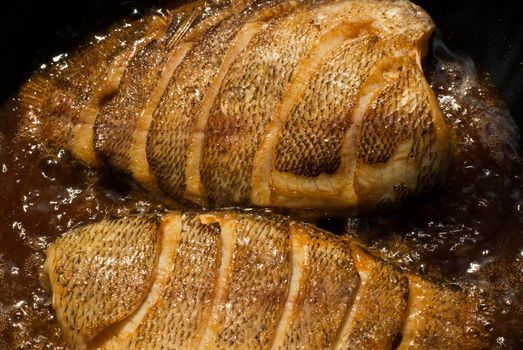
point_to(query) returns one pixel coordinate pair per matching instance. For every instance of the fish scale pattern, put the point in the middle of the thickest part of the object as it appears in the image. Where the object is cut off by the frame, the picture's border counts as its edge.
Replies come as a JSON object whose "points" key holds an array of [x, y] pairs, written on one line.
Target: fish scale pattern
{"points": [[270, 103], [234, 280]]}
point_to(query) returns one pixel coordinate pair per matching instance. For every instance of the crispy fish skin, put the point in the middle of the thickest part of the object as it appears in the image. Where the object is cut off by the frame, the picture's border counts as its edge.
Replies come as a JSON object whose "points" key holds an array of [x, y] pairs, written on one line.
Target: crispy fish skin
{"points": [[172, 143], [65, 97], [123, 115], [221, 280], [300, 104], [120, 287]]}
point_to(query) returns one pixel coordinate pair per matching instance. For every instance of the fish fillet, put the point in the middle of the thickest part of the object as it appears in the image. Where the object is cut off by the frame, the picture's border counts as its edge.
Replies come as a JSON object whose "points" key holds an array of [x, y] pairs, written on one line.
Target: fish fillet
{"points": [[226, 280], [301, 104]]}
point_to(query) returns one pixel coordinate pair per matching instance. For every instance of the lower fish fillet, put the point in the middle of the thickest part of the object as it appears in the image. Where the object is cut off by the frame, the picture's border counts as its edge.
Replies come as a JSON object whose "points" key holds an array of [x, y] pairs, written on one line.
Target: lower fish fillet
{"points": [[227, 280]]}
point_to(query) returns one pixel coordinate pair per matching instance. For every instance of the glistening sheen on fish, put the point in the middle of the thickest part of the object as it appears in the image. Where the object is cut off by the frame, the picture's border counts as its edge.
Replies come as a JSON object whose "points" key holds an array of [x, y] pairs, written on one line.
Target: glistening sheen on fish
{"points": [[224, 280], [315, 105]]}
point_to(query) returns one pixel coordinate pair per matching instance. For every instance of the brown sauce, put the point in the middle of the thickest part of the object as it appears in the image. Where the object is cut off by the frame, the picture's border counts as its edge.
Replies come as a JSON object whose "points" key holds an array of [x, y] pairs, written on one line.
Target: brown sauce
{"points": [[468, 233]]}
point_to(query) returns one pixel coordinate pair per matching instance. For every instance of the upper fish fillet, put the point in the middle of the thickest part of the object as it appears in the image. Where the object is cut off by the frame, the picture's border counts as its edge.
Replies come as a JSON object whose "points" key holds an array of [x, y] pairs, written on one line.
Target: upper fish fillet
{"points": [[304, 104]]}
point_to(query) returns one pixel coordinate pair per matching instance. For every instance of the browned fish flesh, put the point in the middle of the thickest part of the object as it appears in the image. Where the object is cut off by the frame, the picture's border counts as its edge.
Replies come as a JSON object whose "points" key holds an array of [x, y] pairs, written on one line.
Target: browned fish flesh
{"points": [[304, 104], [227, 280]]}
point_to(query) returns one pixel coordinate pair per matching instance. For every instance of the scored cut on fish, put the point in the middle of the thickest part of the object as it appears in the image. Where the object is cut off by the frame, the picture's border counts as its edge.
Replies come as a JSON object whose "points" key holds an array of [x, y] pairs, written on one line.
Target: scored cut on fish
{"points": [[223, 280]]}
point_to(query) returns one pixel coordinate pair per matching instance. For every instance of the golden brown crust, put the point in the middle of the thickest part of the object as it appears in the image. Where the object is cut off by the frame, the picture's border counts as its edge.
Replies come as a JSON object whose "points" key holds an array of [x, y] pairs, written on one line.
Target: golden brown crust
{"points": [[178, 315], [91, 75], [403, 143], [378, 313], [307, 104], [100, 274], [434, 318], [244, 280], [242, 109], [122, 123], [310, 141], [170, 129], [258, 282], [118, 119], [326, 288]]}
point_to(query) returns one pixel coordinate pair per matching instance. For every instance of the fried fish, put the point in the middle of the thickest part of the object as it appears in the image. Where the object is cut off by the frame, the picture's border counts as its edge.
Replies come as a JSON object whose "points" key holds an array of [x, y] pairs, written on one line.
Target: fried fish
{"points": [[225, 280], [313, 104]]}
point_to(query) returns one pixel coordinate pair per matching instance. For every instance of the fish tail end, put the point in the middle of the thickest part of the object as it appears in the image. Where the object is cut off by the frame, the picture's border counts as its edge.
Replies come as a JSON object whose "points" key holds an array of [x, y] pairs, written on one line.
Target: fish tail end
{"points": [[31, 99]]}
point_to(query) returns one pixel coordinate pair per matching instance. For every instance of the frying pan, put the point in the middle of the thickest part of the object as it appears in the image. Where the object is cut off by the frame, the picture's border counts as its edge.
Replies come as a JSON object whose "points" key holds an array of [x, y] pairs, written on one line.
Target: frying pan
{"points": [[32, 32]]}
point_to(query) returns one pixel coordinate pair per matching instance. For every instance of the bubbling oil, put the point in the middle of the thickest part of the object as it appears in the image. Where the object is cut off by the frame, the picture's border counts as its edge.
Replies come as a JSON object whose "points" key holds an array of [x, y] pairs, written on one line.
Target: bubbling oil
{"points": [[468, 233]]}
